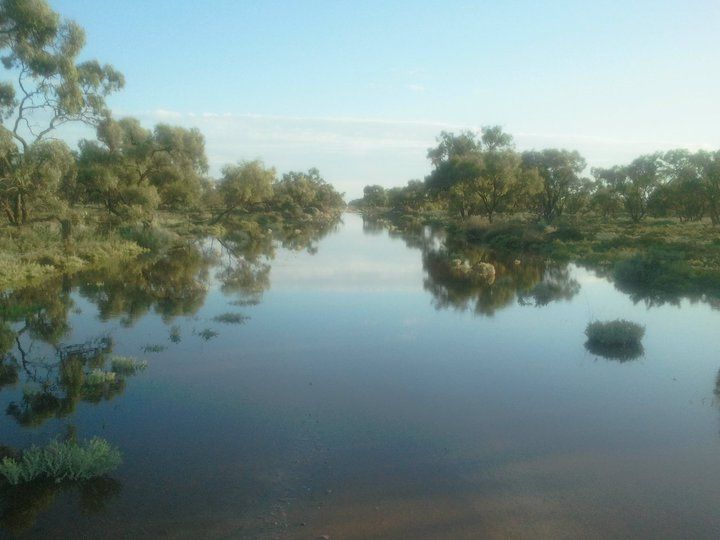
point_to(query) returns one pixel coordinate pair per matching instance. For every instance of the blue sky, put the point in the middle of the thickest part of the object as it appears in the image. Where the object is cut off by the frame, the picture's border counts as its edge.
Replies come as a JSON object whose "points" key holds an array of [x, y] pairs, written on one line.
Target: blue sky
{"points": [[361, 89]]}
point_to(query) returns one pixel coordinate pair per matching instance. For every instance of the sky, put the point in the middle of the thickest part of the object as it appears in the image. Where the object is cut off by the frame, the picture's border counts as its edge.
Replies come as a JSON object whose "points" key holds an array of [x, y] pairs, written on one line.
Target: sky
{"points": [[362, 89]]}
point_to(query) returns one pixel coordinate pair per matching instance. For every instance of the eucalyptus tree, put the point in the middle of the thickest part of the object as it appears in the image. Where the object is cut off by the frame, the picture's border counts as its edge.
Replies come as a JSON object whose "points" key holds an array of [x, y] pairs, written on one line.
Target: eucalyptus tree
{"points": [[242, 186], [635, 183], [479, 174], [559, 172], [132, 170], [708, 165], [305, 192], [48, 88]]}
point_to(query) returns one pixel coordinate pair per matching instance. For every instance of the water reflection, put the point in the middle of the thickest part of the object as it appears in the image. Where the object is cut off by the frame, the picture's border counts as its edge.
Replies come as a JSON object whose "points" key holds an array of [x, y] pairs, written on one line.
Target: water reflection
{"points": [[619, 354], [478, 279], [21, 505], [48, 378]]}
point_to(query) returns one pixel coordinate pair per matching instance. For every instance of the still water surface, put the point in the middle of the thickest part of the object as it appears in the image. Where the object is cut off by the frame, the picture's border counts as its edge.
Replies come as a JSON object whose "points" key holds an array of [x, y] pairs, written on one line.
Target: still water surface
{"points": [[364, 397]]}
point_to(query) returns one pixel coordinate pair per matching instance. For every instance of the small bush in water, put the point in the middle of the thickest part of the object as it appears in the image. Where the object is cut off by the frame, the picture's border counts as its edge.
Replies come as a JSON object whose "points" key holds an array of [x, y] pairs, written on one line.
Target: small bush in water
{"points": [[617, 333], [617, 340], [62, 461]]}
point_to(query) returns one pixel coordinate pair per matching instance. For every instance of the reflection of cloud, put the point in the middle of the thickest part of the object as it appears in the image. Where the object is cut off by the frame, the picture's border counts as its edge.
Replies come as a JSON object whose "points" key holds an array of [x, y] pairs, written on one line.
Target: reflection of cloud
{"points": [[347, 276]]}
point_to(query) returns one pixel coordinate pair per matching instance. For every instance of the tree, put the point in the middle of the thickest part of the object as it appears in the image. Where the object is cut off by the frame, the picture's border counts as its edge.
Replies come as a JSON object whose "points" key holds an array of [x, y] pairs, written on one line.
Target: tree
{"points": [[501, 180], [132, 170], [49, 88], [635, 183], [375, 196], [453, 146], [559, 172], [305, 192], [479, 175], [243, 185], [605, 200], [708, 165]]}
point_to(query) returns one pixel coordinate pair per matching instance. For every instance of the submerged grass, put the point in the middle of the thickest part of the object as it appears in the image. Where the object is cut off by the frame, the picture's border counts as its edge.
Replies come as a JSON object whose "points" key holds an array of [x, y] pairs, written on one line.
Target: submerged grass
{"points": [[124, 365], [62, 461], [231, 318], [98, 377]]}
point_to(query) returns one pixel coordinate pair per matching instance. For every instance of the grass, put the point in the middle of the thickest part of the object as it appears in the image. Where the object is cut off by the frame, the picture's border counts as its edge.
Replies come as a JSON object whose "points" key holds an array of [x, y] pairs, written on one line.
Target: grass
{"points": [[618, 339], [207, 334], [35, 253], [62, 461]]}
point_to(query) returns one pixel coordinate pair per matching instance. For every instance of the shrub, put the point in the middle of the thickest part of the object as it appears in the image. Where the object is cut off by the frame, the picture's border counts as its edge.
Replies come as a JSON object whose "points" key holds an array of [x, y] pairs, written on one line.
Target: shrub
{"points": [[618, 333], [618, 339], [62, 461]]}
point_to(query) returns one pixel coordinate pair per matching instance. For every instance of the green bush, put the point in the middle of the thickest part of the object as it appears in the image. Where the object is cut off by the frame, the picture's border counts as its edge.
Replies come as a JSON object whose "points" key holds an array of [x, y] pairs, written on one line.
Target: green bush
{"points": [[617, 333], [618, 339], [62, 461]]}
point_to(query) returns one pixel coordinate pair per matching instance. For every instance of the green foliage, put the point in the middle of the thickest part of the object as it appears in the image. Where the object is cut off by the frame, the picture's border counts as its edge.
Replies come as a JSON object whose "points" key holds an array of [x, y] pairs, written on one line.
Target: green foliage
{"points": [[49, 89], [242, 186], [132, 171], [559, 172], [62, 461], [617, 333], [298, 192], [618, 339]]}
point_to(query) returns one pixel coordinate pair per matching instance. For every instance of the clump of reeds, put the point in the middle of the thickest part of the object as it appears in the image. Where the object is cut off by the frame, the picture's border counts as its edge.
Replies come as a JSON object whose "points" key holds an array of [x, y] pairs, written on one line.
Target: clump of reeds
{"points": [[62, 461]]}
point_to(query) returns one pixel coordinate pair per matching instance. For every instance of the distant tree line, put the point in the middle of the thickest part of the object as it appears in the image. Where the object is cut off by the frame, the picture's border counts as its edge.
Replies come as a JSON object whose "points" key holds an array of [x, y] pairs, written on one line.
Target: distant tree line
{"points": [[128, 171], [483, 174]]}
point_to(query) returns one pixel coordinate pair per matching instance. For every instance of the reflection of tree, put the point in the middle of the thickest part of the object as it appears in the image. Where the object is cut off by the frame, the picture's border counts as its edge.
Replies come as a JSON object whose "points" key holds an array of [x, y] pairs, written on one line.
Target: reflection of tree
{"points": [[21, 505], [557, 284], [244, 262], [54, 386], [476, 279], [172, 284], [619, 354], [660, 277], [467, 277]]}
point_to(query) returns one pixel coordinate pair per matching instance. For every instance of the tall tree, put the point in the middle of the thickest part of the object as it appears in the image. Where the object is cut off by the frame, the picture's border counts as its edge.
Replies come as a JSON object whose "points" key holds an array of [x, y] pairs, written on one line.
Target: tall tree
{"points": [[244, 185], [132, 170], [559, 171], [48, 87], [635, 183]]}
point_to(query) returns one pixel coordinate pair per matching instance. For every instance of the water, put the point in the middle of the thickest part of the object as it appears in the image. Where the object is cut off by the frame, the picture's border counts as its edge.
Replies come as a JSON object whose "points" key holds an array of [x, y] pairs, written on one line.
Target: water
{"points": [[371, 395]]}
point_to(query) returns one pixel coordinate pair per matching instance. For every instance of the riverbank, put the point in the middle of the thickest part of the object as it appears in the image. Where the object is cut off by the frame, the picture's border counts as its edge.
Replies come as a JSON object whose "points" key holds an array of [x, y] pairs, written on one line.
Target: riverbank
{"points": [[38, 252]]}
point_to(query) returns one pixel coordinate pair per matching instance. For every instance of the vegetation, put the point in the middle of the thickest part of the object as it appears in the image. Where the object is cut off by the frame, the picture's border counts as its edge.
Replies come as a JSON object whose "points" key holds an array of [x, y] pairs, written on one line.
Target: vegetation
{"points": [[62, 461], [618, 339], [651, 225], [67, 211], [124, 365], [231, 318]]}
